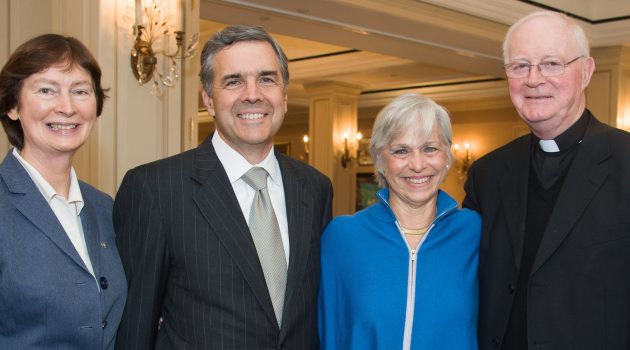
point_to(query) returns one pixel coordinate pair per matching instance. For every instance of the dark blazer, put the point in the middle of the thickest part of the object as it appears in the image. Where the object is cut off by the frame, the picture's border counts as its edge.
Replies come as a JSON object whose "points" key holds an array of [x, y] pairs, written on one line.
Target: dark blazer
{"points": [[190, 258], [579, 290], [48, 298]]}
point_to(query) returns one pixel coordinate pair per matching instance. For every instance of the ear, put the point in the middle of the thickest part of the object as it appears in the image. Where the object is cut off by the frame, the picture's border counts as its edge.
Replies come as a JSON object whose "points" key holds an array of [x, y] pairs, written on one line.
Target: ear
{"points": [[207, 101], [285, 103], [587, 71], [13, 114]]}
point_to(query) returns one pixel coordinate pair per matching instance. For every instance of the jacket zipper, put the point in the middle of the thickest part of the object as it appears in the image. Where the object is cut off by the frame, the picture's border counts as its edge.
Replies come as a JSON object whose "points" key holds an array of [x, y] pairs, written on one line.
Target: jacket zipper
{"points": [[411, 278]]}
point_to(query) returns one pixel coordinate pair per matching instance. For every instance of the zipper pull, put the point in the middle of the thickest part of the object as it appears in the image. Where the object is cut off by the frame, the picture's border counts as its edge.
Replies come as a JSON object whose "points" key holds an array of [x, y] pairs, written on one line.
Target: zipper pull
{"points": [[413, 255]]}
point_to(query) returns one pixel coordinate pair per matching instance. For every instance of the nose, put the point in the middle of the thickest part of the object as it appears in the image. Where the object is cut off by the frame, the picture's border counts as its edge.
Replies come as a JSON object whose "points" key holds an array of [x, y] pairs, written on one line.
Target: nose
{"points": [[535, 77], [251, 93], [416, 161], [65, 104]]}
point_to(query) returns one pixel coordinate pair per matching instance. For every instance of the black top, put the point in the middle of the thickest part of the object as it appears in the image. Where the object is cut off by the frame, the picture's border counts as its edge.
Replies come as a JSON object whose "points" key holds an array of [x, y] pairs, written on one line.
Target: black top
{"points": [[546, 177]]}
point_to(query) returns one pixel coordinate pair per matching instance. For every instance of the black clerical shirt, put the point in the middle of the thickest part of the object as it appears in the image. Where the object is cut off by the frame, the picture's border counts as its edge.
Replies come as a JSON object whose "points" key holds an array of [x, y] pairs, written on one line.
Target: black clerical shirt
{"points": [[546, 177]]}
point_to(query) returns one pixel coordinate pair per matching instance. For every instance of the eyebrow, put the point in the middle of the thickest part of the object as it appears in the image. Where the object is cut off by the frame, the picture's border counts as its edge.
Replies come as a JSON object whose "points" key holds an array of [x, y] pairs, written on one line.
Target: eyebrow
{"points": [[263, 73], [268, 72], [55, 83], [230, 76]]}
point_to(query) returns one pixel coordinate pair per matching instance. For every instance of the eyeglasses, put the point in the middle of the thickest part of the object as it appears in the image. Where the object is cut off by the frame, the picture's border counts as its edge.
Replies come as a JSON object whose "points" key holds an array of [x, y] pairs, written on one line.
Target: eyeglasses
{"points": [[548, 68]]}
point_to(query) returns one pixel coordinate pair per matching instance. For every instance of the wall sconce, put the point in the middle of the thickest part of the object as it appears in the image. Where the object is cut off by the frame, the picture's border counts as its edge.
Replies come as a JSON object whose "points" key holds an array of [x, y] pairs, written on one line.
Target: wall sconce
{"points": [[463, 159], [346, 159], [306, 150], [144, 58]]}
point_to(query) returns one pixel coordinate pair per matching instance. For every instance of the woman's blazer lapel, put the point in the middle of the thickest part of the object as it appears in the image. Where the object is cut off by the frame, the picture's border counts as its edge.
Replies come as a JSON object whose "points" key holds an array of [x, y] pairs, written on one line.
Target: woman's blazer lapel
{"points": [[29, 201]]}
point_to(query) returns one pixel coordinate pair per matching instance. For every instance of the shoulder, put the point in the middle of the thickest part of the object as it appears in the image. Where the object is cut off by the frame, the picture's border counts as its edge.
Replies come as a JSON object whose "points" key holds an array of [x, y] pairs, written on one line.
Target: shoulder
{"points": [[303, 170], [467, 218], [461, 217], [505, 152], [161, 172], [599, 131], [172, 162], [346, 226], [94, 195]]}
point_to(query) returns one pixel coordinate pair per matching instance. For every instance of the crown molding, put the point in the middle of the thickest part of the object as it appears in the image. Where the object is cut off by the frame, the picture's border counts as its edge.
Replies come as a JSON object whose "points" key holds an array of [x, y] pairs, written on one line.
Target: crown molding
{"points": [[508, 12], [342, 64]]}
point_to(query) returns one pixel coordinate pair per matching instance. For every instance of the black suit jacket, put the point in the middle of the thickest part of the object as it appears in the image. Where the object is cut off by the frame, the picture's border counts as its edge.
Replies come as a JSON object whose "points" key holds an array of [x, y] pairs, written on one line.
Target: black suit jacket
{"points": [[579, 291], [190, 259]]}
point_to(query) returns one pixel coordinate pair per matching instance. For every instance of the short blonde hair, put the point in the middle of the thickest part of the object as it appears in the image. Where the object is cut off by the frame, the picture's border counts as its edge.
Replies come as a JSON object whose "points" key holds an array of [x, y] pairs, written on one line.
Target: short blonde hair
{"points": [[408, 112]]}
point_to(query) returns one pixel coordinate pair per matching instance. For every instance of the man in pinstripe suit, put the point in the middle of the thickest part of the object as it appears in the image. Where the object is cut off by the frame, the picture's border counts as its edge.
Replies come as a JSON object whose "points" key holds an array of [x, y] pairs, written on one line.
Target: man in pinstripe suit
{"points": [[182, 222]]}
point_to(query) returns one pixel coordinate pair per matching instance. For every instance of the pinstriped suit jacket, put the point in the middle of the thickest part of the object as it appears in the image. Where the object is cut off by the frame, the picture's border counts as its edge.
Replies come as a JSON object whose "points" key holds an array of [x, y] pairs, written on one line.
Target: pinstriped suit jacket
{"points": [[190, 258]]}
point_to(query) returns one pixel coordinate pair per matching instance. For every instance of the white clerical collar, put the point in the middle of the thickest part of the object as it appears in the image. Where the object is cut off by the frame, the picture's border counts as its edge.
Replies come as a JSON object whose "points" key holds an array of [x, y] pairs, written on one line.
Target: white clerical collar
{"points": [[549, 146]]}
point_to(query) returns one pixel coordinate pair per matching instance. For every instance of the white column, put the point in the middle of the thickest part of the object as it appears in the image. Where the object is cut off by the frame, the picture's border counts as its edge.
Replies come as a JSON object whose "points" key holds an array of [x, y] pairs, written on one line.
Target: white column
{"points": [[333, 113]]}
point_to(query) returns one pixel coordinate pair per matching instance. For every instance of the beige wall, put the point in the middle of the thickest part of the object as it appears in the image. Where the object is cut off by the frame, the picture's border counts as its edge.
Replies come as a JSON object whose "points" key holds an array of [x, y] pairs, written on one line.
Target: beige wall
{"points": [[135, 127], [485, 131]]}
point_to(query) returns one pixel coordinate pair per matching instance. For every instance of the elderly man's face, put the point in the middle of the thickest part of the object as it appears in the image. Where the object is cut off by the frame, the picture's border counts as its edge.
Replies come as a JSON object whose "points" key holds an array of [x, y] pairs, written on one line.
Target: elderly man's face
{"points": [[549, 105]]}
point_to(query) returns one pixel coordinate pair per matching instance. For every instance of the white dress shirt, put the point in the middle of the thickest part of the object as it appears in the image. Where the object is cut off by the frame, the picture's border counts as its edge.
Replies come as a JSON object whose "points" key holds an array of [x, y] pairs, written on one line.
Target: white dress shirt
{"points": [[236, 166], [66, 210]]}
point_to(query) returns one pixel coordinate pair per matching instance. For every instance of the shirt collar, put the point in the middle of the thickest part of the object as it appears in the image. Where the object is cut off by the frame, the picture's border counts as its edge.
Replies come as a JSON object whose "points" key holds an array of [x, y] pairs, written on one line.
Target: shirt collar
{"points": [[236, 165], [49, 193]]}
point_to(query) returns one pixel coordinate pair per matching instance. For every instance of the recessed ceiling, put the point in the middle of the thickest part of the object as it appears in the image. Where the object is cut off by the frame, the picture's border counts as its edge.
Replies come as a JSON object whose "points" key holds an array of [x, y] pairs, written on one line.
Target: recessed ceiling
{"points": [[388, 46]]}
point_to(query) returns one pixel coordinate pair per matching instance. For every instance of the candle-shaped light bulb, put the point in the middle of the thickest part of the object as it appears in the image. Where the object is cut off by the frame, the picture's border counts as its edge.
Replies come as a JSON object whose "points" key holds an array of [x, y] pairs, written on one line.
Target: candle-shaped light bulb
{"points": [[138, 12], [466, 145], [456, 147], [182, 15], [359, 136], [305, 138]]}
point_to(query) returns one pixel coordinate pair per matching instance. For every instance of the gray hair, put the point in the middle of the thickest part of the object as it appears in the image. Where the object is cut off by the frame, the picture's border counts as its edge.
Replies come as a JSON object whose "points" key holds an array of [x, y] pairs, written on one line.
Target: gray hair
{"points": [[409, 112], [232, 35], [578, 33]]}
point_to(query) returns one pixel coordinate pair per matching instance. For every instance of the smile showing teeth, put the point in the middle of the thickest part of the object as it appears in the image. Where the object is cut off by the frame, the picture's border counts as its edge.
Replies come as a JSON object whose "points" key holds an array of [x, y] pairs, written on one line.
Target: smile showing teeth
{"points": [[62, 126], [251, 116], [419, 180]]}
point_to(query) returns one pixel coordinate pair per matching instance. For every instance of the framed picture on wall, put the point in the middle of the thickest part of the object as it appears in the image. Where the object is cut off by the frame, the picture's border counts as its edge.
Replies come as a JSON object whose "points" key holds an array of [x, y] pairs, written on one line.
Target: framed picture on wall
{"points": [[364, 152], [366, 190]]}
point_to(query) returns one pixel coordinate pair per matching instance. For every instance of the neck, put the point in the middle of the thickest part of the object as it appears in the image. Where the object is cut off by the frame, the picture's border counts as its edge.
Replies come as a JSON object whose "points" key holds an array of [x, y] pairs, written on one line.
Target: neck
{"points": [[55, 170], [253, 154], [414, 217], [550, 129]]}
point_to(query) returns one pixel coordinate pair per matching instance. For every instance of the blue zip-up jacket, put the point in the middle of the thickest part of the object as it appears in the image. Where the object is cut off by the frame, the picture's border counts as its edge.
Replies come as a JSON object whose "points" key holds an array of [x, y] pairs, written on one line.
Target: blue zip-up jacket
{"points": [[378, 293]]}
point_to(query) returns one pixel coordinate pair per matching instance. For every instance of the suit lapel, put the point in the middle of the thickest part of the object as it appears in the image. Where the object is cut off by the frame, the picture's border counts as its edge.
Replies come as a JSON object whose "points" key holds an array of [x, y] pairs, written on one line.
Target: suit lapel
{"points": [[92, 234], [587, 173], [219, 206], [513, 187], [299, 203], [30, 202]]}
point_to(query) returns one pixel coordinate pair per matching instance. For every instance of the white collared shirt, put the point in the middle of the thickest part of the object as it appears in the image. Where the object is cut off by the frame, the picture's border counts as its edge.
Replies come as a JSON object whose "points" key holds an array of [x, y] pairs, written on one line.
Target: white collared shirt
{"points": [[66, 210], [236, 166]]}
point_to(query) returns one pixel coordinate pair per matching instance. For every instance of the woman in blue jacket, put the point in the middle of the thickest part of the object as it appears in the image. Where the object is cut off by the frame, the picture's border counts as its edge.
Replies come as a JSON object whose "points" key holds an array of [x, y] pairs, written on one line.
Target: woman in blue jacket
{"points": [[62, 285], [402, 274]]}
